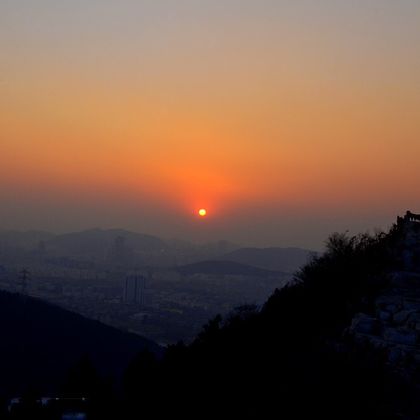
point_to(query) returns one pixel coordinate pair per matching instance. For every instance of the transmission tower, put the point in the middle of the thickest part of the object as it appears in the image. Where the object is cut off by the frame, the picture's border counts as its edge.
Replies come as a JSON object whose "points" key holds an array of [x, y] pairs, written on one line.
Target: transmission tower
{"points": [[24, 277]]}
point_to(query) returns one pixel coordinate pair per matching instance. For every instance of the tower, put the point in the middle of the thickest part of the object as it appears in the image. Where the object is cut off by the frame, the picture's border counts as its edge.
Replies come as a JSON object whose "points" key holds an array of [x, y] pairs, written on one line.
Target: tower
{"points": [[134, 289], [24, 276]]}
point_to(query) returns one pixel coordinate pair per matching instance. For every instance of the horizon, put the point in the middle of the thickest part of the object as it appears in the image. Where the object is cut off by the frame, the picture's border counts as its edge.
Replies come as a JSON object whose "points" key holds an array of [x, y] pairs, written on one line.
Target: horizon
{"points": [[164, 239], [197, 242]]}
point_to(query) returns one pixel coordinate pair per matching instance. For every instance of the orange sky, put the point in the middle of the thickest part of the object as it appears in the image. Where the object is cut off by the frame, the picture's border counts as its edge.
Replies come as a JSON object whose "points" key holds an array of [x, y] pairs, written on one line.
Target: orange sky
{"points": [[280, 118]]}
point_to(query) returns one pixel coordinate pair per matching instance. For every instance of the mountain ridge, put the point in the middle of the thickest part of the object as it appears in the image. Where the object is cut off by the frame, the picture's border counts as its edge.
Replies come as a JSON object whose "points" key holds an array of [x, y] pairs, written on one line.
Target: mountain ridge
{"points": [[224, 267], [288, 259]]}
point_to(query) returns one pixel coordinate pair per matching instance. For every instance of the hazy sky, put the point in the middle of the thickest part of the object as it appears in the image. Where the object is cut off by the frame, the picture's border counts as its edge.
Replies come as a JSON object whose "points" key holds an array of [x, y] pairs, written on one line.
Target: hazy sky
{"points": [[286, 119]]}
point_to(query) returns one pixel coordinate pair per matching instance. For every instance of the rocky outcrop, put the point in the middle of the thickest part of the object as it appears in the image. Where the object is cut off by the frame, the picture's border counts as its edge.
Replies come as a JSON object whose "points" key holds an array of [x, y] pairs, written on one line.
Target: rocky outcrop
{"points": [[409, 243], [394, 324], [394, 328]]}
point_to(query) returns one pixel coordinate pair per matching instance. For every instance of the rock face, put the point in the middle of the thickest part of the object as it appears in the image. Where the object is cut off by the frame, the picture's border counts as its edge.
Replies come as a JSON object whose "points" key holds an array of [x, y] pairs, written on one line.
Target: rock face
{"points": [[409, 246], [394, 327]]}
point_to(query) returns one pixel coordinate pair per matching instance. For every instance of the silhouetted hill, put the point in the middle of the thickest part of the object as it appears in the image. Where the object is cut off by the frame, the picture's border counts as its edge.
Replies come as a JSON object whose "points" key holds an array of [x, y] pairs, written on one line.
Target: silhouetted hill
{"points": [[298, 356], [281, 259], [225, 268], [24, 239], [98, 242], [40, 342]]}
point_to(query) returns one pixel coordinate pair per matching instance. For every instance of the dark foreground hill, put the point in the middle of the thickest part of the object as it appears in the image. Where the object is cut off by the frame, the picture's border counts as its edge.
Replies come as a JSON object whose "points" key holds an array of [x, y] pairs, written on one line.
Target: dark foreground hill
{"points": [[40, 343], [299, 356], [279, 259], [222, 268]]}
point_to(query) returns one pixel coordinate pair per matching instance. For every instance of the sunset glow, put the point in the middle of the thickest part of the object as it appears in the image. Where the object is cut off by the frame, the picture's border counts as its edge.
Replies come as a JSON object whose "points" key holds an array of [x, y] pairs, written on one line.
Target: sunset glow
{"points": [[202, 212], [302, 120]]}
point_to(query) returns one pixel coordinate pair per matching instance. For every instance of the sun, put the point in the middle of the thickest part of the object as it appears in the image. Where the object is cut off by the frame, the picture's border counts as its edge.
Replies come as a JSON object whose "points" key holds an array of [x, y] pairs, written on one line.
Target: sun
{"points": [[202, 212]]}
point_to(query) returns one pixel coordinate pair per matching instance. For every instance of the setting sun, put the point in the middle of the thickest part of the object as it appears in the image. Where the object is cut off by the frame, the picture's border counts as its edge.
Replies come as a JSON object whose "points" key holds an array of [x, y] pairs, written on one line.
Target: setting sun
{"points": [[202, 212]]}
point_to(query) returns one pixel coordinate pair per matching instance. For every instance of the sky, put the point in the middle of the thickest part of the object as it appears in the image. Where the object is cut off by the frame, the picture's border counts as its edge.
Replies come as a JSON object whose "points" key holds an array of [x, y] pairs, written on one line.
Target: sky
{"points": [[286, 119]]}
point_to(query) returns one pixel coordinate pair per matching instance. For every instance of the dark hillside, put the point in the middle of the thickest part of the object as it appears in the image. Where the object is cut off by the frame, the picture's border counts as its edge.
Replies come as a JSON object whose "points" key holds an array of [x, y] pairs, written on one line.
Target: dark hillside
{"points": [[295, 357], [41, 342]]}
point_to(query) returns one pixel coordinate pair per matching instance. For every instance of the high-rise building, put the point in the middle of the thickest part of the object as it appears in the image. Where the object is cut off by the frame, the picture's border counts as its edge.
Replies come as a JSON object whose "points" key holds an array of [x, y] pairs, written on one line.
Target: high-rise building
{"points": [[134, 289]]}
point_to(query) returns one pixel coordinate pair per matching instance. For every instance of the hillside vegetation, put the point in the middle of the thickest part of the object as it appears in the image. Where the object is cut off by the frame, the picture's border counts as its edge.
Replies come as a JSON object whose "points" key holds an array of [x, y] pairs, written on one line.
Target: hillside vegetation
{"points": [[292, 357]]}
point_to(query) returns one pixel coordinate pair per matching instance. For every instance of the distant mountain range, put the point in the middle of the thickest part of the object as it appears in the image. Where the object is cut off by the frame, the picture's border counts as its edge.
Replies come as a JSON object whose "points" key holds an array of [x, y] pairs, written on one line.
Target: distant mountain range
{"points": [[87, 243], [226, 268], [40, 342], [97, 241], [24, 239], [279, 259], [99, 244]]}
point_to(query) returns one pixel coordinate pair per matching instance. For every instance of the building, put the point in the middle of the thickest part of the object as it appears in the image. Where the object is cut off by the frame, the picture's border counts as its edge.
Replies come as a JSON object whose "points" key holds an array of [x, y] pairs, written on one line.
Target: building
{"points": [[134, 287]]}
